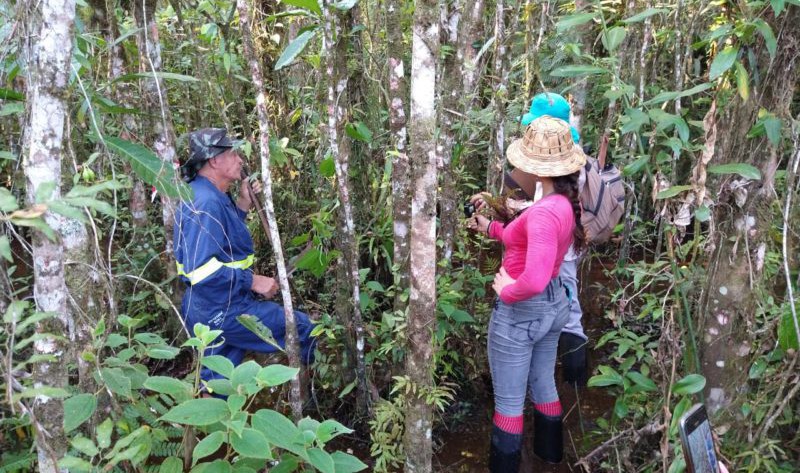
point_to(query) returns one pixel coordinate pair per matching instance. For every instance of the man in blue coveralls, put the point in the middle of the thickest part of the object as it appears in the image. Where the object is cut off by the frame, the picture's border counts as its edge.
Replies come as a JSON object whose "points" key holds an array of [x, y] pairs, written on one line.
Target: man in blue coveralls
{"points": [[214, 254]]}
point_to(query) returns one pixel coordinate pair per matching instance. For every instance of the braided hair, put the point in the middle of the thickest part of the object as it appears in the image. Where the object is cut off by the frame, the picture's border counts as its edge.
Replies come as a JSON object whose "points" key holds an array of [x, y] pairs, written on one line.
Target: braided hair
{"points": [[568, 187]]}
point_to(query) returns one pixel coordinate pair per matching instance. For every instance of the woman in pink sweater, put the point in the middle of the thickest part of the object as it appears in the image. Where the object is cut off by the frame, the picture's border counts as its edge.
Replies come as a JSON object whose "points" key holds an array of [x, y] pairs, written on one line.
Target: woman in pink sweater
{"points": [[533, 303]]}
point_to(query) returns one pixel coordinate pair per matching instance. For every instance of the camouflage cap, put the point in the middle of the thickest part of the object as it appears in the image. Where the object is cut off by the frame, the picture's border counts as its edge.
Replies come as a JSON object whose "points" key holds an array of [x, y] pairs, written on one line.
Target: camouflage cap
{"points": [[208, 143]]}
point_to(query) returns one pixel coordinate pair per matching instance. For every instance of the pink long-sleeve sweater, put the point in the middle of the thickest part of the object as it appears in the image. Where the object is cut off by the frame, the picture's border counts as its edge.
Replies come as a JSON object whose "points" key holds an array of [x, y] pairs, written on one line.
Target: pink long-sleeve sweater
{"points": [[535, 243]]}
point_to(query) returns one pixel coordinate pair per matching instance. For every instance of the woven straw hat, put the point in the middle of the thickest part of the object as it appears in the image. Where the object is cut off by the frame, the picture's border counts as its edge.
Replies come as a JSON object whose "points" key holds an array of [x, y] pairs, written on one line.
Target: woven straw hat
{"points": [[546, 149]]}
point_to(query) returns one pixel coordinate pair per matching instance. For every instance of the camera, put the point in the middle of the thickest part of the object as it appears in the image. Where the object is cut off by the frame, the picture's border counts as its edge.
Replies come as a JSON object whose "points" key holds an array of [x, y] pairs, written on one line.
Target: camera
{"points": [[469, 209]]}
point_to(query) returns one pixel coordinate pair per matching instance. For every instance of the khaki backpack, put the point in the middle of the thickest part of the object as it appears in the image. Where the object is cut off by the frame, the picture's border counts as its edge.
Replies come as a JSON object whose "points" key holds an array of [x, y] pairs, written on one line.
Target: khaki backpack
{"points": [[602, 199]]}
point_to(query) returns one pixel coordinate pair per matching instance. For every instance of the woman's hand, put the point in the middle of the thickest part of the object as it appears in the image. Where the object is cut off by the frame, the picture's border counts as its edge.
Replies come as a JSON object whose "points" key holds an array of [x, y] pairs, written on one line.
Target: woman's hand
{"points": [[478, 223], [501, 280], [245, 200], [479, 200]]}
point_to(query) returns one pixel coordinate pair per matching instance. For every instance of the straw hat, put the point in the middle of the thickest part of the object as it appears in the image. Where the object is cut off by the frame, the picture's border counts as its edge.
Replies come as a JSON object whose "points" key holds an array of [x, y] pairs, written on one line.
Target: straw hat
{"points": [[546, 149]]}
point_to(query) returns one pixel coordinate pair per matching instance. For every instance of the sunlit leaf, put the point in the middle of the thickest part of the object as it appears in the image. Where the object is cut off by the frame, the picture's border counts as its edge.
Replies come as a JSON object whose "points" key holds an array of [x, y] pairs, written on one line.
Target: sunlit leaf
{"points": [[310, 5], [672, 192], [205, 411], [689, 384], [78, 409], [293, 49], [571, 21], [745, 170], [723, 61]]}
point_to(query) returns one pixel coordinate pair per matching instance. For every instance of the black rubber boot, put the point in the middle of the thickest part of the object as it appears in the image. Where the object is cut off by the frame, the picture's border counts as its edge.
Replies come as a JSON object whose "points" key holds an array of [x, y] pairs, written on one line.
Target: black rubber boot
{"points": [[504, 454], [548, 440], [573, 359]]}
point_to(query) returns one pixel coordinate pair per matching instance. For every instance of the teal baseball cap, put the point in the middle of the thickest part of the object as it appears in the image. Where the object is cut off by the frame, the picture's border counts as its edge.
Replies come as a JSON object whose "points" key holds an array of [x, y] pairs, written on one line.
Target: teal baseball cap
{"points": [[551, 105]]}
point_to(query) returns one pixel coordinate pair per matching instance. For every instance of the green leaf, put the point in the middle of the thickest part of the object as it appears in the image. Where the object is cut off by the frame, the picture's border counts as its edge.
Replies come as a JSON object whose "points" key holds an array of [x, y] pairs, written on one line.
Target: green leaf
{"points": [[748, 171], [680, 409], [346, 463], [244, 374], [571, 21], [358, 131], [321, 460], [275, 375], [787, 334], [104, 431], [723, 61], [12, 108], [703, 213], [8, 203], [77, 410], [672, 192], [757, 369], [310, 5], [5, 249], [641, 380], [162, 352], [293, 49], [345, 5], [8, 155], [149, 168], [777, 7], [15, 311], [689, 384], [769, 37], [644, 15], [613, 37], [607, 377], [634, 119], [742, 81], [175, 388], [252, 443], [329, 429], [637, 166], [773, 125], [218, 364], [204, 411], [85, 446], [207, 446], [8, 94], [257, 327], [327, 167], [279, 430], [217, 466], [116, 381], [71, 463], [577, 71], [171, 465]]}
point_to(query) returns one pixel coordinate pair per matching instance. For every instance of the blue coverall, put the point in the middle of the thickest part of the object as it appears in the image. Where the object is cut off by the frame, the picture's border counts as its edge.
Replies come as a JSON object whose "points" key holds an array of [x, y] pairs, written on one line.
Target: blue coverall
{"points": [[214, 254]]}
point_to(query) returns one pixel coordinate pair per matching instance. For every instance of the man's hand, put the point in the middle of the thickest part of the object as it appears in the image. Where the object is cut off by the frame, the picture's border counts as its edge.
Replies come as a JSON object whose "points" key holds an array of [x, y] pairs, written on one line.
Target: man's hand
{"points": [[265, 286], [245, 200]]}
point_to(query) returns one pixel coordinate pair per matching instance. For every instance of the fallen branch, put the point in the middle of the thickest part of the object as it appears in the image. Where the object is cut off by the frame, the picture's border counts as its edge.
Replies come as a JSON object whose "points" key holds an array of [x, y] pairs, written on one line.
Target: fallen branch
{"points": [[648, 429]]}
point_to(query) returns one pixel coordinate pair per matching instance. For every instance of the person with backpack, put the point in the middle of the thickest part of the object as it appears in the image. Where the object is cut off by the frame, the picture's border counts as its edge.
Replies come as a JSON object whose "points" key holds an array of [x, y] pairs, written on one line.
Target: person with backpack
{"points": [[532, 304], [573, 340]]}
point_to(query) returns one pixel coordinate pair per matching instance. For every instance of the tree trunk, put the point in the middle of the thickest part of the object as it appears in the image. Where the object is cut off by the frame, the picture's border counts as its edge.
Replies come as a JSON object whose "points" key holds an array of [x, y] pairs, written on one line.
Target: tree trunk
{"points": [[163, 135], [401, 204], [292, 347], [742, 216], [473, 29], [335, 46], [422, 306], [584, 37], [51, 22], [494, 171]]}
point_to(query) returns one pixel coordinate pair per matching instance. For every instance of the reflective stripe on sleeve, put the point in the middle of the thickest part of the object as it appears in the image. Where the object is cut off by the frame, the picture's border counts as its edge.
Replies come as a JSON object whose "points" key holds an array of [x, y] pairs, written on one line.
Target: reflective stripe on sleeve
{"points": [[210, 267]]}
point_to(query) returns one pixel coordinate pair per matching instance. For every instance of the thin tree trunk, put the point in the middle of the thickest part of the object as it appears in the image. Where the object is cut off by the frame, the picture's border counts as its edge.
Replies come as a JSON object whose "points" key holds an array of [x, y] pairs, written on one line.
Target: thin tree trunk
{"points": [[450, 94], [473, 29], [335, 47], [579, 92], [401, 204], [422, 306], [292, 347], [51, 22], [494, 172]]}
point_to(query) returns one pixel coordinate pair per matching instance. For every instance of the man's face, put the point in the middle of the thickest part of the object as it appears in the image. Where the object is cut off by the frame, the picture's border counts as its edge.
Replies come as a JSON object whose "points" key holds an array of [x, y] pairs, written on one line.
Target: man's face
{"points": [[229, 165]]}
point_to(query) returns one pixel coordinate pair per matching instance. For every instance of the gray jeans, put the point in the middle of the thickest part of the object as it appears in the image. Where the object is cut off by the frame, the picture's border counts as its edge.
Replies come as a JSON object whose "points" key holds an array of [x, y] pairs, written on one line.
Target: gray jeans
{"points": [[569, 275], [523, 341]]}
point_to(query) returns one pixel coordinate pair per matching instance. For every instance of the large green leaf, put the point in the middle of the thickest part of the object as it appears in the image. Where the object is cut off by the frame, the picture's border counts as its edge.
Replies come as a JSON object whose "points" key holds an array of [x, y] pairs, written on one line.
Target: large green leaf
{"points": [[787, 333], [279, 430], [607, 377], [613, 37], [78, 409], [252, 443], [5, 249], [171, 465], [149, 168], [310, 5], [8, 94], [219, 364], [204, 411], [689, 384], [245, 374], [329, 429], [723, 61], [274, 375], [321, 460], [672, 192], [641, 380], [745, 170], [769, 37], [294, 48], [116, 381], [207, 446], [358, 131], [346, 463], [177, 389]]}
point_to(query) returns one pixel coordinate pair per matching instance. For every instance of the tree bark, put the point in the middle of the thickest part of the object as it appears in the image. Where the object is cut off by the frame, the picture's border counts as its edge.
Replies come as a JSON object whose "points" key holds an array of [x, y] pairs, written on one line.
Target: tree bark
{"points": [[494, 172], [422, 306], [473, 30], [336, 49], [51, 21], [584, 35], [742, 216], [292, 347]]}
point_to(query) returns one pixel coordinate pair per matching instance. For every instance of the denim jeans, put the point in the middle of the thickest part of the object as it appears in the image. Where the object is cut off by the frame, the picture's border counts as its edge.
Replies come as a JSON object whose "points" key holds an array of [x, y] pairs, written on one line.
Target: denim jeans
{"points": [[523, 341], [569, 276]]}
